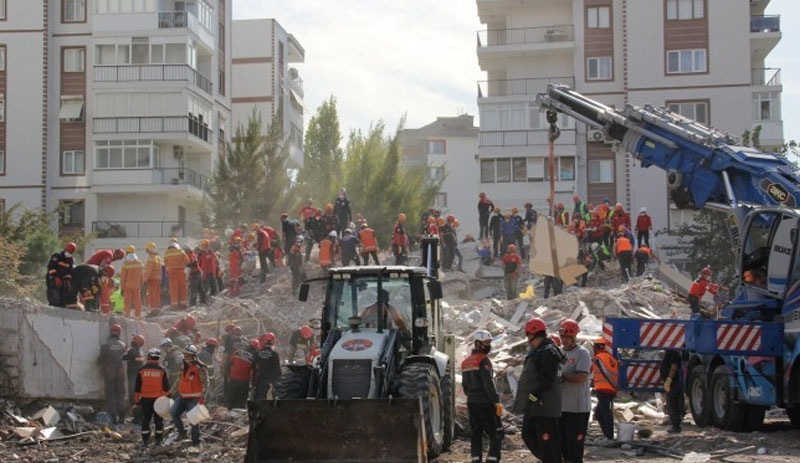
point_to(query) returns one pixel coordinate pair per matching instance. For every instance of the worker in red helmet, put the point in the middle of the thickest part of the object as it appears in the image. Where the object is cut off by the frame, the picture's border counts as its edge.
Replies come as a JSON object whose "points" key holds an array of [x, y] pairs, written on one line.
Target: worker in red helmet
{"points": [[268, 367], [302, 337], [605, 370], [539, 394], [330, 221], [241, 373], [400, 240], [135, 358], [511, 267], [485, 208], [206, 355], [576, 396], [112, 353], [483, 401], [59, 276], [698, 290], [152, 382]]}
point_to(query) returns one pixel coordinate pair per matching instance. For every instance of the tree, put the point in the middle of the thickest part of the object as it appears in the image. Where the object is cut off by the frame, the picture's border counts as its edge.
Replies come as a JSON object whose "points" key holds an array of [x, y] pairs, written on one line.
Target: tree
{"points": [[320, 177], [707, 241]]}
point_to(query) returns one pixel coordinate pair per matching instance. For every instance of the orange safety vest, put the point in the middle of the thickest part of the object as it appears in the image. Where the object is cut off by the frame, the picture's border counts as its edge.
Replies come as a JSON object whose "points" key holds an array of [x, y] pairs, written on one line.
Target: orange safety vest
{"points": [[368, 241], [605, 372], [623, 244], [151, 381], [325, 253], [190, 385]]}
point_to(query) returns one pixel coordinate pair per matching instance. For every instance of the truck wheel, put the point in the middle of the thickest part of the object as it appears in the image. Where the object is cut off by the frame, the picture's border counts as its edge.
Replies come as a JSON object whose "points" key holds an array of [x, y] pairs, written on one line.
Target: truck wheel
{"points": [[293, 385], [420, 380], [724, 412], [697, 392], [794, 415], [754, 418], [446, 386]]}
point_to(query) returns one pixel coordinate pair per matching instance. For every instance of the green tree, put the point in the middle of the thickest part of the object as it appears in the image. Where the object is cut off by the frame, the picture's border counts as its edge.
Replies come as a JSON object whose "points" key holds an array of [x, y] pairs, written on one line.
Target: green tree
{"points": [[707, 241], [320, 177]]}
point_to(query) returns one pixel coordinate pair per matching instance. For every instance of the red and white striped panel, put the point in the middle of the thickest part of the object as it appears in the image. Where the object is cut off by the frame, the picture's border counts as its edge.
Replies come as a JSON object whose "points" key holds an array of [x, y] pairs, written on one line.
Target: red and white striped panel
{"points": [[738, 337], [643, 375], [608, 333], [662, 335]]}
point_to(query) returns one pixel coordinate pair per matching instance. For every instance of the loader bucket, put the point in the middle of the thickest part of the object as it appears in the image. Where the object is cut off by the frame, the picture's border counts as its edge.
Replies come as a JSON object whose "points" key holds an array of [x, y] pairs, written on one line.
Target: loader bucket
{"points": [[368, 430]]}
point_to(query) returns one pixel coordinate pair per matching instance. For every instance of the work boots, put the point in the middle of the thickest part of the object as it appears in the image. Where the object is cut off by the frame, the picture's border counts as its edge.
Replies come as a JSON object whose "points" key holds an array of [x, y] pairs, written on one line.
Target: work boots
{"points": [[158, 441], [145, 441], [182, 435]]}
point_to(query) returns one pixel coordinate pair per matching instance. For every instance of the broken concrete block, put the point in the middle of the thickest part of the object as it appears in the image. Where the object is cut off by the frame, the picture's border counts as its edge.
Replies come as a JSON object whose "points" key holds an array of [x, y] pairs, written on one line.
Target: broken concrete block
{"points": [[50, 433], [519, 312], [48, 416], [25, 431]]}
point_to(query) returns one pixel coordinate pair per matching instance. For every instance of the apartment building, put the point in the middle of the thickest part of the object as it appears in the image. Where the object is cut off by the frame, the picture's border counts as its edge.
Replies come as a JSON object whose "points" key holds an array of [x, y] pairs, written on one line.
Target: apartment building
{"points": [[264, 79], [117, 111], [446, 148], [705, 59]]}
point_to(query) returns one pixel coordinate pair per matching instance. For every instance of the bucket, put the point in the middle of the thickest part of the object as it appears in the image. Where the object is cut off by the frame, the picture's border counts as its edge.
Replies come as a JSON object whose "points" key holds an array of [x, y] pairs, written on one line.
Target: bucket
{"points": [[625, 432], [198, 414], [162, 406]]}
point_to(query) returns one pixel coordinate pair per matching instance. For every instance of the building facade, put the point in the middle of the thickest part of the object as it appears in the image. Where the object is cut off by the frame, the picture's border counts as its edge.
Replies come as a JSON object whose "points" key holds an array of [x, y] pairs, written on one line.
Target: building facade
{"points": [[265, 81], [705, 59], [446, 148], [117, 112]]}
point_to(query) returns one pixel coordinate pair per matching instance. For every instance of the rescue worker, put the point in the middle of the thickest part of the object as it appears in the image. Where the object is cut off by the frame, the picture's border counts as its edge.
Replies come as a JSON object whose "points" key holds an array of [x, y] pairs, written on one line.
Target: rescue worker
{"points": [[185, 327], [605, 370], [449, 242], [349, 246], [267, 367], [328, 249], [698, 290], [207, 357], [135, 360], [314, 232], [494, 230], [485, 207], [483, 402], [111, 354], [308, 210], [172, 360], [623, 248], [106, 289], [191, 387], [235, 259], [642, 257], [263, 247], [511, 267], [643, 226], [580, 207], [290, 229], [59, 276], [152, 382], [330, 221], [195, 278], [508, 232], [576, 400], [539, 394], [520, 233], [342, 210], [208, 262], [556, 284], [152, 278], [294, 259], [672, 375], [176, 261], [302, 337], [369, 244], [531, 216], [104, 257], [400, 241], [130, 282], [241, 374], [562, 216], [619, 218]]}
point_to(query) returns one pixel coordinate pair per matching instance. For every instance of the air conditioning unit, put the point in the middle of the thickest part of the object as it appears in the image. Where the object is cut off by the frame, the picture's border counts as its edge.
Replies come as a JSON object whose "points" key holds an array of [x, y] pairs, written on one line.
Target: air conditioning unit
{"points": [[595, 135]]}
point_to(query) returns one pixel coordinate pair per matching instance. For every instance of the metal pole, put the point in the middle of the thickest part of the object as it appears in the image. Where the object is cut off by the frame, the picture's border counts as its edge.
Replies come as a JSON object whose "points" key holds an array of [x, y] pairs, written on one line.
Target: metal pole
{"points": [[552, 118]]}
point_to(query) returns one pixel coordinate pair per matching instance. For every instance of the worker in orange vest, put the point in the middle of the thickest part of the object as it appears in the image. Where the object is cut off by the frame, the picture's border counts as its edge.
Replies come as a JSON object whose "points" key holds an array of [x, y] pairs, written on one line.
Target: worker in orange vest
{"points": [[327, 250], [623, 248], [152, 277], [152, 382], [369, 244], [130, 281], [400, 241], [176, 260], [605, 371], [191, 388], [698, 290]]}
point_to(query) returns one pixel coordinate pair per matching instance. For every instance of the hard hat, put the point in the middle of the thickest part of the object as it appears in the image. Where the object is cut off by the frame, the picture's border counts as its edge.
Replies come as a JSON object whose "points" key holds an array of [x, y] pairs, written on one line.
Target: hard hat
{"points": [[306, 332], [560, 205], [190, 321], [706, 271], [154, 353], [267, 339], [482, 335], [119, 254], [212, 342], [401, 217], [253, 226], [569, 327], [440, 221], [299, 239], [332, 234], [576, 198], [173, 240], [70, 247], [166, 342], [191, 349], [456, 223], [431, 219], [255, 344], [138, 339], [556, 339], [451, 217], [237, 239], [535, 326], [514, 210], [205, 243], [347, 231], [618, 206], [130, 249], [236, 330], [595, 246], [600, 342], [228, 232], [151, 246], [251, 236], [642, 210], [511, 248], [364, 225], [116, 329], [328, 207]]}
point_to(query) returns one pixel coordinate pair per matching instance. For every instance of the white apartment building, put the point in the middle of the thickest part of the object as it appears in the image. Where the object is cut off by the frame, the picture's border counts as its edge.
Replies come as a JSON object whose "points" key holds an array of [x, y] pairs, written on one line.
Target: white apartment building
{"points": [[116, 113], [446, 148], [703, 58], [264, 80]]}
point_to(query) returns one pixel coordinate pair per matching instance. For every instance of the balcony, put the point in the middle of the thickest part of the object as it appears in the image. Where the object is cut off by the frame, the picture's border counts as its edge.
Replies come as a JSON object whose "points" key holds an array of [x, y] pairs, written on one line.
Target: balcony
{"points": [[765, 33], [512, 138], [186, 20], [765, 77], [765, 24], [506, 43], [159, 180], [513, 87], [153, 72], [153, 125], [162, 229]]}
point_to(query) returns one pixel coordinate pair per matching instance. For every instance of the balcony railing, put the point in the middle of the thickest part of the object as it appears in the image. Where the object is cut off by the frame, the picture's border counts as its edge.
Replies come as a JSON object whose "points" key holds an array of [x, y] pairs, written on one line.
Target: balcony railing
{"points": [[157, 176], [766, 77], [527, 35], [508, 87], [152, 72], [183, 176], [162, 229], [152, 124], [765, 23], [508, 138]]}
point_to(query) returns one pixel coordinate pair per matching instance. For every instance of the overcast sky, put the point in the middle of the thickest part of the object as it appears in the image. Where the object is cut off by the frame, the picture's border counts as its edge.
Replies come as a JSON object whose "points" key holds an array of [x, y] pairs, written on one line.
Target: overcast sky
{"points": [[385, 58]]}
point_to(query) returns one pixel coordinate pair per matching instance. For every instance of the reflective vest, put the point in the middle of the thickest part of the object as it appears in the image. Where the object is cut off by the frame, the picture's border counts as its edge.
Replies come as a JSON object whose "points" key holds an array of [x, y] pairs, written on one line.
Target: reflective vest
{"points": [[325, 253], [151, 381], [368, 241], [623, 244], [190, 384], [605, 370]]}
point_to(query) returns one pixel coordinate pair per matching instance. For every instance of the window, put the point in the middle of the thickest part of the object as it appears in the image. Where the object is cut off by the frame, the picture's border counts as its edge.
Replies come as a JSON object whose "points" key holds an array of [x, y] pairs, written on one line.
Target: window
{"points": [[71, 109], [221, 82], [2, 56], [74, 60], [520, 169], [487, 171], [565, 169], [766, 106], [73, 163], [686, 61], [685, 9], [441, 200], [535, 169], [598, 68], [503, 170], [505, 116], [437, 147], [125, 154], [73, 11], [695, 110], [71, 212], [598, 17], [126, 6], [601, 171], [2, 162], [679, 218]]}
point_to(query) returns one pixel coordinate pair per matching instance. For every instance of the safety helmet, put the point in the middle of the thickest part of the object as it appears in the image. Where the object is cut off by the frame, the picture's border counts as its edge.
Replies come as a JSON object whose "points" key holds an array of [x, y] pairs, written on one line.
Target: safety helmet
{"points": [[237, 239], [401, 217], [576, 198], [151, 246], [514, 210], [431, 219], [600, 342], [706, 272], [511, 248], [166, 342], [560, 205], [497, 210], [138, 339], [618, 206], [299, 239], [451, 217], [173, 240], [109, 271], [642, 210], [556, 339], [190, 321], [306, 332], [70, 247], [251, 236], [482, 335], [205, 243], [328, 207], [332, 234], [595, 246], [191, 349], [119, 254], [253, 226], [440, 221], [535, 326], [130, 249], [569, 327], [255, 344], [267, 339], [347, 231], [236, 330], [116, 329], [456, 223], [154, 353]]}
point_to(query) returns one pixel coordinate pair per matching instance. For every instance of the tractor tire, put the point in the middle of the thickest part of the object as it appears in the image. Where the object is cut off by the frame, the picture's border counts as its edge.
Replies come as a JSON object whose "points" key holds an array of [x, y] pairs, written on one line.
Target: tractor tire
{"points": [[725, 414], [421, 380], [794, 415], [446, 386], [293, 385], [754, 418], [697, 393]]}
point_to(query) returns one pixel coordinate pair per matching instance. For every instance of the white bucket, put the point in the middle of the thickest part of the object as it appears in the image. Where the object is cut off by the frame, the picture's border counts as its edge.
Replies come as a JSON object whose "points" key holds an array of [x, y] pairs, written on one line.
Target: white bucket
{"points": [[198, 414], [625, 432], [162, 406]]}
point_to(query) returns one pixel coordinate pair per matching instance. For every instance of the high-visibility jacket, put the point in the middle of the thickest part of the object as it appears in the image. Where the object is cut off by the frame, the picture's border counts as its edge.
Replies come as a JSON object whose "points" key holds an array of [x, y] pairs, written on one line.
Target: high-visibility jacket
{"points": [[131, 276], [152, 269], [605, 372], [644, 222], [620, 218], [241, 365], [399, 237], [208, 262], [623, 244], [273, 235], [562, 218], [700, 286], [262, 240], [368, 241], [190, 384], [175, 259], [100, 258], [234, 262], [152, 381], [602, 211], [326, 250]]}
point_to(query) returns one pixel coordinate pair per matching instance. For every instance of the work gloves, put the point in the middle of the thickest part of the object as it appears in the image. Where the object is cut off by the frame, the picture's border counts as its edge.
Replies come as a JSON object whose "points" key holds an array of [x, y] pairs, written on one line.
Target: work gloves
{"points": [[668, 385], [498, 409]]}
